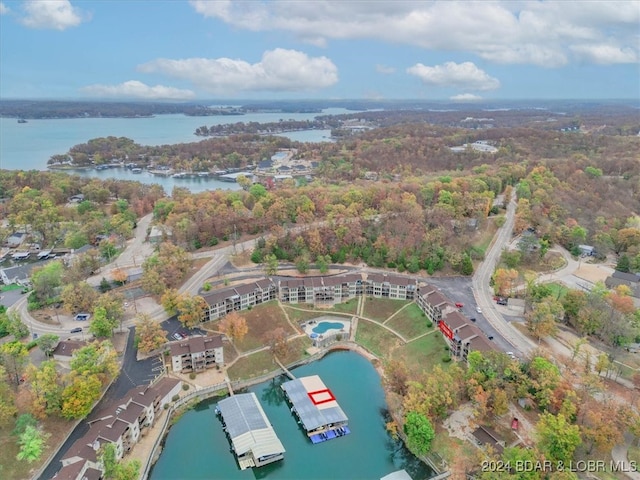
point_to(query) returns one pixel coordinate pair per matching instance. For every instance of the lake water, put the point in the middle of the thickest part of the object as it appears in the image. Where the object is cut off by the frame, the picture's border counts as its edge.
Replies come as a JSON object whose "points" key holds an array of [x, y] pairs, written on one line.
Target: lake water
{"points": [[28, 146], [197, 448]]}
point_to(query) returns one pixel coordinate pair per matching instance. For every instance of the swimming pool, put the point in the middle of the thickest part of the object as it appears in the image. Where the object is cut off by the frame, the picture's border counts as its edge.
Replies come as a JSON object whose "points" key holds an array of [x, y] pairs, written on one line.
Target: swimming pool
{"points": [[322, 327]]}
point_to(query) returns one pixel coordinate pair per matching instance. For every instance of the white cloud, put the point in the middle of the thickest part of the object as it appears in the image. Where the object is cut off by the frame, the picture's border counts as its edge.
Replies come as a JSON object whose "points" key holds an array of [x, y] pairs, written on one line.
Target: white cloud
{"points": [[385, 69], [606, 54], [544, 33], [465, 97], [455, 75], [279, 70], [136, 89], [3, 9], [51, 14]]}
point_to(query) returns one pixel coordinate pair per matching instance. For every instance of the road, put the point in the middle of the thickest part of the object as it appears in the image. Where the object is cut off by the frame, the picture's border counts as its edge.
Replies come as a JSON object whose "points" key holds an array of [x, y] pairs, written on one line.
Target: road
{"points": [[483, 292]]}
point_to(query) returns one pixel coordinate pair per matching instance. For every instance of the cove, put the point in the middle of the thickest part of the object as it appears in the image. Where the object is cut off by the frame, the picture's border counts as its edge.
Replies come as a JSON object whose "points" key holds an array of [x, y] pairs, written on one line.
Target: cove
{"points": [[197, 448]]}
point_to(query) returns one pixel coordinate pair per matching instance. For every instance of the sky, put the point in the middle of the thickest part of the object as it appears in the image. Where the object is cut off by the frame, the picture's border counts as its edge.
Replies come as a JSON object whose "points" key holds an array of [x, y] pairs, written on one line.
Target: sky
{"points": [[180, 50]]}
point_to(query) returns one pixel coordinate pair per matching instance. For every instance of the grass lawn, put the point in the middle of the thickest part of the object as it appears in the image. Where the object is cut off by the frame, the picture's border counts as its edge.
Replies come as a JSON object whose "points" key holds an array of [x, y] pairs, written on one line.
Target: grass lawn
{"points": [[299, 316], [410, 322], [483, 237], [381, 308], [558, 291], [262, 362], [423, 353], [260, 320], [251, 366], [347, 307], [13, 286], [376, 339]]}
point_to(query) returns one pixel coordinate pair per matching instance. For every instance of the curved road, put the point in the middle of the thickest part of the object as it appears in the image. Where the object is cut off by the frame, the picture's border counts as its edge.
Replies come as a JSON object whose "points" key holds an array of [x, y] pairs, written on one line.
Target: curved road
{"points": [[483, 292]]}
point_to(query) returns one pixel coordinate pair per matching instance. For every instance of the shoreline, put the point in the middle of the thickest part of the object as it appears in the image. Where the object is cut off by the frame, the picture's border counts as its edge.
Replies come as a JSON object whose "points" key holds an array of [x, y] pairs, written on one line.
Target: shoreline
{"points": [[207, 392]]}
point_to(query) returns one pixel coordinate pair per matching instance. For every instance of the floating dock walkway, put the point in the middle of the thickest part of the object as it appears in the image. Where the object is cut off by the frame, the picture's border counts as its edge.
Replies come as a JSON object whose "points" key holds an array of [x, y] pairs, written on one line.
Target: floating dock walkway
{"points": [[316, 408]]}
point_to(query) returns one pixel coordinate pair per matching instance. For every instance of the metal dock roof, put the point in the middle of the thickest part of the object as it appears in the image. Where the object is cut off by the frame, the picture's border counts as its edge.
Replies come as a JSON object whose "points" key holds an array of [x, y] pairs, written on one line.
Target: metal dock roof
{"points": [[248, 426], [313, 402]]}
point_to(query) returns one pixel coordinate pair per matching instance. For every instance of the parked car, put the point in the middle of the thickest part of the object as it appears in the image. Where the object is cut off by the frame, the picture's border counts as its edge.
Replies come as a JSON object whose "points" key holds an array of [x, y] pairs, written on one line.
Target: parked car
{"points": [[459, 305], [76, 330], [82, 317], [178, 336], [478, 309], [473, 319]]}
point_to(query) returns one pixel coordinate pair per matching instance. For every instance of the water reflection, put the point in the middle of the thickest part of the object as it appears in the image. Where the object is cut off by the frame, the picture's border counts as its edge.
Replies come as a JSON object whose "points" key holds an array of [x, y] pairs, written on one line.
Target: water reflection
{"points": [[273, 394]]}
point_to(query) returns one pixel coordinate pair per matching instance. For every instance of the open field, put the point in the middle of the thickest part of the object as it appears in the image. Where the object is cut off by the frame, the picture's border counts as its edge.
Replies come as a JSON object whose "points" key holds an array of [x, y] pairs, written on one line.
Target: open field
{"points": [[381, 308], [262, 362], [303, 312], [376, 339], [410, 322], [422, 354], [260, 320], [252, 365]]}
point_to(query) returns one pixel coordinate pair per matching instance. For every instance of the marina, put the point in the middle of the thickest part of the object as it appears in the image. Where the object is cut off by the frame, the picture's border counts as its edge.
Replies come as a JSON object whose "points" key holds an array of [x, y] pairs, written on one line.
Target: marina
{"points": [[316, 407], [196, 447]]}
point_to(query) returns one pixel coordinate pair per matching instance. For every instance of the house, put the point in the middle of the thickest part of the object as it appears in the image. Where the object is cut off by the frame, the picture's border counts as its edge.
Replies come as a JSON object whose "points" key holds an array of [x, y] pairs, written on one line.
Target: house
{"points": [[19, 274], [65, 349], [196, 353], [587, 250], [122, 423], [631, 280], [15, 239], [488, 436], [159, 233]]}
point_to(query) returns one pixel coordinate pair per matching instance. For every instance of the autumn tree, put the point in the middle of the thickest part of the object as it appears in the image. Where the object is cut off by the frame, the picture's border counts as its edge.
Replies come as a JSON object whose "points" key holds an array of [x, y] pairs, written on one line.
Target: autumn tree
{"points": [[119, 275], [277, 340], [149, 333], [47, 343], [46, 281], [113, 304], [79, 396], [169, 301], [270, 264], [15, 326], [541, 319], [234, 326], [97, 358], [166, 268], [79, 297], [504, 281], [46, 388], [15, 357], [396, 376], [557, 438], [191, 309], [7, 399], [102, 326]]}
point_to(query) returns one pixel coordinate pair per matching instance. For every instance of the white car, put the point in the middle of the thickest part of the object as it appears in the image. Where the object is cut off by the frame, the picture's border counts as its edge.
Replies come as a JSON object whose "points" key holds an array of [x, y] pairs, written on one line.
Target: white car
{"points": [[478, 309]]}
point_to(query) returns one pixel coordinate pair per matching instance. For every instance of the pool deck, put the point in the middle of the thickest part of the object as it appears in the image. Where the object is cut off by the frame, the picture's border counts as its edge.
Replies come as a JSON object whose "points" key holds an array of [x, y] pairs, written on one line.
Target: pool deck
{"points": [[309, 325]]}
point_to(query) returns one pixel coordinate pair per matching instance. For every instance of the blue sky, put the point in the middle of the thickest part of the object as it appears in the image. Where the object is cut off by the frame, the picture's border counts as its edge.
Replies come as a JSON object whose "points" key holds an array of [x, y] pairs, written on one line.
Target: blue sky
{"points": [[217, 49]]}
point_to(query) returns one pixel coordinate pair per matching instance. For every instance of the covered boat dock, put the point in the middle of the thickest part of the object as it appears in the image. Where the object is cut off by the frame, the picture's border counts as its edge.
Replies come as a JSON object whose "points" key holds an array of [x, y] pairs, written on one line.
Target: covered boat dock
{"points": [[316, 408], [252, 437]]}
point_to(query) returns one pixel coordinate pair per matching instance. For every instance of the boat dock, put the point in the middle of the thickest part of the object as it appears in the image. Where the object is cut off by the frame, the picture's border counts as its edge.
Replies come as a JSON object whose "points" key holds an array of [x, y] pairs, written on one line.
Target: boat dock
{"points": [[316, 408], [252, 437]]}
